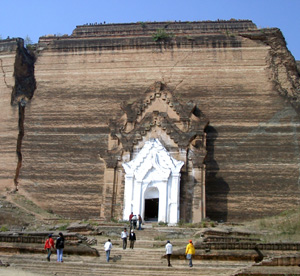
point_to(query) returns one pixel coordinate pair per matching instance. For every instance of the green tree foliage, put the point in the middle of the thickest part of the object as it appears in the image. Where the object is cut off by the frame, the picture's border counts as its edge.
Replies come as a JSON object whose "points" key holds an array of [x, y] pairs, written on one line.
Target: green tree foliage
{"points": [[161, 35], [27, 41]]}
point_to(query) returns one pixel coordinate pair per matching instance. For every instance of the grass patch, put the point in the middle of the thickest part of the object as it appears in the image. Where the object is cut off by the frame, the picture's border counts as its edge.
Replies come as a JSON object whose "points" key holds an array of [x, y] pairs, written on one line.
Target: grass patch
{"points": [[62, 224], [202, 224], [283, 227], [90, 222], [160, 238], [4, 228], [31, 206], [63, 227]]}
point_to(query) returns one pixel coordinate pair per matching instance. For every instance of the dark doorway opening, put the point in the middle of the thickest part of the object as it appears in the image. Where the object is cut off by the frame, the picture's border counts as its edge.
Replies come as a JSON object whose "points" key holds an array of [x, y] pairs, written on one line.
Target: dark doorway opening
{"points": [[151, 209]]}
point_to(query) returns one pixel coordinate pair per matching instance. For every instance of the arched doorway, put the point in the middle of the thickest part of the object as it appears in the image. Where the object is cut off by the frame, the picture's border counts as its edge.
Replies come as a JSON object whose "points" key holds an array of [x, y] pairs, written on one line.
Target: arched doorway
{"points": [[152, 184], [151, 206]]}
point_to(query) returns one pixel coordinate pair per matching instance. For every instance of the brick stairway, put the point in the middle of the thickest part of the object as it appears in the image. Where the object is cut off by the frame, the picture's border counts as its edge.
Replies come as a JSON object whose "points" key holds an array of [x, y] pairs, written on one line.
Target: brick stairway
{"points": [[145, 259], [123, 262]]}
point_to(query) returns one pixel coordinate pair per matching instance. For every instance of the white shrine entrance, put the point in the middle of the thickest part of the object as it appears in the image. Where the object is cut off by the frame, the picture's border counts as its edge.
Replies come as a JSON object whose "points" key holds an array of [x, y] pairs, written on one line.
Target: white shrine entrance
{"points": [[154, 161], [152, 184]]}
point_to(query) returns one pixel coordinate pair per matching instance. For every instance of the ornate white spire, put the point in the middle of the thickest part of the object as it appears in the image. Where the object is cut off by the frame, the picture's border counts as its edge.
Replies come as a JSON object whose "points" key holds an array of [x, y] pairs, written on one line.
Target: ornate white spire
{"points": [[153, 155]]}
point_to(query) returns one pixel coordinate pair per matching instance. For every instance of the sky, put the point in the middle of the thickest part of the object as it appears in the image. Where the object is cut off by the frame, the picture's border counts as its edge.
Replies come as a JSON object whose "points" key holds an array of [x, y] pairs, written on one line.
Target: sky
{"points": [[35, 18]]}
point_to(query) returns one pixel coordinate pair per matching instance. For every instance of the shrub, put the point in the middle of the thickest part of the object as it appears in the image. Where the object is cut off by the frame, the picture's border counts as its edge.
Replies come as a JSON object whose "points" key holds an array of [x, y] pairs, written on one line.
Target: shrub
{"points": [[181, 223], [161, 223], [203, 224], [63, 227], [143, 24], [4, 229], [161, 35], [114, 220]]}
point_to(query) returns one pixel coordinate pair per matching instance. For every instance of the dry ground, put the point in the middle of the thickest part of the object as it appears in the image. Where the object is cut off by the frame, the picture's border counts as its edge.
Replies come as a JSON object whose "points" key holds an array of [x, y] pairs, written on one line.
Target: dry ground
{"points": [[18, 213]]}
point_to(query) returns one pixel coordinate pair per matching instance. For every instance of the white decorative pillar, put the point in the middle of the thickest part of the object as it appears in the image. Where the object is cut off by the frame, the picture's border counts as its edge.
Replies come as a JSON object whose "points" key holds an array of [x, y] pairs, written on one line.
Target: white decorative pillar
{"points": [[136, 201], [163, 201], [174, 199], [128, 196]]}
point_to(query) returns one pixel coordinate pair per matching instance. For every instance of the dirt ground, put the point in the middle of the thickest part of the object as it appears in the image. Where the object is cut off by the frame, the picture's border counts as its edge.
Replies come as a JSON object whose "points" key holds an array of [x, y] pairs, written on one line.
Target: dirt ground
{"points": [[18, 213], [10, 271]]}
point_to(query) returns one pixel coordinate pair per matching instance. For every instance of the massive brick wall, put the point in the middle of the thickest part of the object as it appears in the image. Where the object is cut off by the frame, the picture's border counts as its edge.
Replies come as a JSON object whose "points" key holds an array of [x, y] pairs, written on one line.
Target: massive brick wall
{"points": [[253, 139], [8, 115], [17, 85]]}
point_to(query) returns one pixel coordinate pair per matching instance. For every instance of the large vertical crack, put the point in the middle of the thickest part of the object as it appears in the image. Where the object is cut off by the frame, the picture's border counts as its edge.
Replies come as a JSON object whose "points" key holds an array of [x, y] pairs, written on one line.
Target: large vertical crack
{"points": [[3, 73], [19, 142], [22, 92]]}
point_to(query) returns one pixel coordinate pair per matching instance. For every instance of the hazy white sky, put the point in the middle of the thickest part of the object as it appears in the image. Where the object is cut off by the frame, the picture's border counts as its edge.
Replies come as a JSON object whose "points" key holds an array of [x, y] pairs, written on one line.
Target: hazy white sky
{"points": [[40, 17]]}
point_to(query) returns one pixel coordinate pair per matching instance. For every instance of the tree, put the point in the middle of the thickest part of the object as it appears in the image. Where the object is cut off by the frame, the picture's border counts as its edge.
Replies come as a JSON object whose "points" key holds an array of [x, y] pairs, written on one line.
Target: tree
{"points": [[161, 35], [27, 41]]}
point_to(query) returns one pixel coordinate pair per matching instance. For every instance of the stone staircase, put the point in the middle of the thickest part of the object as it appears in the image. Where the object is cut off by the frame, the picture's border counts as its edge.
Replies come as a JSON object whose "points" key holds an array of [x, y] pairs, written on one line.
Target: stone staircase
{"points": [[123, 262], [145, 259]]}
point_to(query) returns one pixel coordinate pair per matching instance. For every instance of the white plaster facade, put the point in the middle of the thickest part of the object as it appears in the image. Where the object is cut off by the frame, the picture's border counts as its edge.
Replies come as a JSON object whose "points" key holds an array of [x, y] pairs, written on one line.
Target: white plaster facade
{"points": [[153, 173]]}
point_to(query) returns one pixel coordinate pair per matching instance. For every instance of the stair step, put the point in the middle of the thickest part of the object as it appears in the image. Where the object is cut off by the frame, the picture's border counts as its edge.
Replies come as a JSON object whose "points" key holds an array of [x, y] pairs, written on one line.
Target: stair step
{"points": [[96, 266], [145, 259]]}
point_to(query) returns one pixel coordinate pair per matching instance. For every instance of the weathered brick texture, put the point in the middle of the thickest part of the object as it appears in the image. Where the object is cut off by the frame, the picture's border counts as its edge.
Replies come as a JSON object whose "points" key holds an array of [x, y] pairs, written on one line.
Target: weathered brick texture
{"points": [[243, 79]]}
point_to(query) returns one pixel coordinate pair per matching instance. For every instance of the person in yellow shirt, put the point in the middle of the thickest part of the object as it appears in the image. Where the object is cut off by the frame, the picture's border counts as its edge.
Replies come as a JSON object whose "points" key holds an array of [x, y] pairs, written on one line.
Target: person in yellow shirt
{"points": [[190, 251]]}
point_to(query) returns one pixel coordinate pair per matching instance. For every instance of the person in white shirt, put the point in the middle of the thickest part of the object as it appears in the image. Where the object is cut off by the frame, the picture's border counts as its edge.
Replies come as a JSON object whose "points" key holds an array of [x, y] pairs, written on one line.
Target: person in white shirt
{"points": [[134, 221], [107, 248], [124, 236], [169, 251]]}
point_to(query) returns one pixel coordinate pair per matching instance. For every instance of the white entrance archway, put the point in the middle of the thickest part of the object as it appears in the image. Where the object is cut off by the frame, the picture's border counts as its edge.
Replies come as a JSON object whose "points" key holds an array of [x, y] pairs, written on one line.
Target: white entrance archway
{"points": [[151, 204], [153, 170]]}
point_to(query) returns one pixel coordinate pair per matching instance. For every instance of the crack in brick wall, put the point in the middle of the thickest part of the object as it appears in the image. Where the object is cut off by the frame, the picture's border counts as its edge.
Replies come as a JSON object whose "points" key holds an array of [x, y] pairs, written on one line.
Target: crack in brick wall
{"points": [[3, 72], [23, 91]]}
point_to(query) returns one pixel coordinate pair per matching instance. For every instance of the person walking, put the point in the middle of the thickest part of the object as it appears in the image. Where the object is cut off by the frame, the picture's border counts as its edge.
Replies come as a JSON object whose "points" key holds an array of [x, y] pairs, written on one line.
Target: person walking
{"points": [[140, 222], [190, 251], [48, 244], [169, 251], [132, 238], [124, 236], [107, 248], [60, 244], [134, 221], [130, 219]]}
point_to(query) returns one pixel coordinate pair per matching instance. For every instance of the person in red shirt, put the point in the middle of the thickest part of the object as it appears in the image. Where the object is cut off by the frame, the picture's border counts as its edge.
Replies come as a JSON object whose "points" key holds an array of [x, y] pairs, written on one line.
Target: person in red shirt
{"points": [[48, 244], [130, 219]]}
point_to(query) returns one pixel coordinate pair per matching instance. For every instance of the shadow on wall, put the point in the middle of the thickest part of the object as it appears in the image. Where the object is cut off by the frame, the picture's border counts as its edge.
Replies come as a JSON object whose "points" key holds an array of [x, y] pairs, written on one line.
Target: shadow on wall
{"points": [[187, 185], [217, 188]]}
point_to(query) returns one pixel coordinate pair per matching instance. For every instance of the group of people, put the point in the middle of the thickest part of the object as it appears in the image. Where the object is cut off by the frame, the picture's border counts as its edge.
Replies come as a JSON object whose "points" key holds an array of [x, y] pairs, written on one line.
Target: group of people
{"points": [[60, 244], [131, 236], [189, 252], [133, 219], [49, 244], [124, 237]]}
